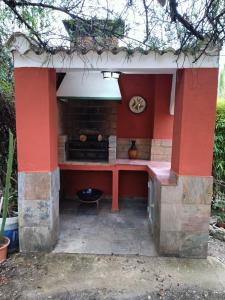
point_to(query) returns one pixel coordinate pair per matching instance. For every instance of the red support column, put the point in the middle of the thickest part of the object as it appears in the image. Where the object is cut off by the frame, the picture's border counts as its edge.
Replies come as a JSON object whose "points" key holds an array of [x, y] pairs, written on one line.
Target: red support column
{"points": [[36, 119], [38, 173], [185, 208], [194, 121], [115, 190]]}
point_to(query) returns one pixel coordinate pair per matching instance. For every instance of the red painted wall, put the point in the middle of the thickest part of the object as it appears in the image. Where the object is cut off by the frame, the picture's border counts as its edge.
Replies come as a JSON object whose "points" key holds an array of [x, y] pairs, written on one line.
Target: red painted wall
{"points": [[73, 181], [195, 111], [155, 121], [163, 121], [131, 183], [130, 125], [36, 123]]}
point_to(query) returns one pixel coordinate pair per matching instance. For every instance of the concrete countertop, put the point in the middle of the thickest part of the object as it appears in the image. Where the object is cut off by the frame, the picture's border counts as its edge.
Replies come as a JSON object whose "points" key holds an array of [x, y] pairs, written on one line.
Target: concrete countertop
{"points": [[158, 169]]}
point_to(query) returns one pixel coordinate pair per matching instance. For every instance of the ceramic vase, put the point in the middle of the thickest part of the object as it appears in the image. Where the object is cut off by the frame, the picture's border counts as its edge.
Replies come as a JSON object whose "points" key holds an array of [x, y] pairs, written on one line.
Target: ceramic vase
{"points": [[133, 151]]}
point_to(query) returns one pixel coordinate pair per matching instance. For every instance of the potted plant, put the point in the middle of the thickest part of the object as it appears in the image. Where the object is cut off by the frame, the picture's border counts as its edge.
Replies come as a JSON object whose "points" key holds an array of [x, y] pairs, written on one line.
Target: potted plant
{"points": [[5, 200], [11, 224]]}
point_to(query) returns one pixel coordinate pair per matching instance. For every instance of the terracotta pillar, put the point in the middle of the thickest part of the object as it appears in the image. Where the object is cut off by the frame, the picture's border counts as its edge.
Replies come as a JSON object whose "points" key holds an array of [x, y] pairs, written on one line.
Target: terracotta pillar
{"points": [[194, 121], [161, 143], [115, 190], [38, 175], [185, 208]]}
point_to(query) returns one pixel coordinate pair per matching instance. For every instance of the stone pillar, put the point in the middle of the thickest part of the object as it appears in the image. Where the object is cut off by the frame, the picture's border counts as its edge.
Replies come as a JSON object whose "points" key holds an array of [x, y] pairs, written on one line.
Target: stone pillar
{"points": [[185, 208], [62, 139], [161, 143], [38, 174]]}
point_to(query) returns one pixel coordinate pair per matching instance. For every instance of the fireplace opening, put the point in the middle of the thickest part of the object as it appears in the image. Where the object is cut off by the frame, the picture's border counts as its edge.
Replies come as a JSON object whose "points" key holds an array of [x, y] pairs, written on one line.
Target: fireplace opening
{"points": [[91, 148], [87, 130]]}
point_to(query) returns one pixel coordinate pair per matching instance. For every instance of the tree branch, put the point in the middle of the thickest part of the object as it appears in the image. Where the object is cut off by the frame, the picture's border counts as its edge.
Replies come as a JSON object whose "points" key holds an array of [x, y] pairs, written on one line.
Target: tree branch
{"points": [[208, 24], [13, 4], [36, 34], [175, 16], [146, 20]]}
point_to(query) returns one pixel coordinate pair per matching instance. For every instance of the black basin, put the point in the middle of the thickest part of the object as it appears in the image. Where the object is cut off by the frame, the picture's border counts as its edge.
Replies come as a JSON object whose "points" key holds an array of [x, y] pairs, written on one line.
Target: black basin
{"points": [[89, 194]]}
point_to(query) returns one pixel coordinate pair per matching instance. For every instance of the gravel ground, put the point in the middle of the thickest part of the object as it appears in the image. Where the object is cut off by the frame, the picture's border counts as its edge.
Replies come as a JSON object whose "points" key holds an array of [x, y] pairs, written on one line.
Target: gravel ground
{"points": [[91, 277], [217, 249]]}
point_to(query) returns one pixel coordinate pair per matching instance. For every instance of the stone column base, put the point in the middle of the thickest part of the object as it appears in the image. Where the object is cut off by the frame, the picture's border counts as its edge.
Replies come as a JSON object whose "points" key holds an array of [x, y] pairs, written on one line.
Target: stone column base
{"points": [[181, 215], [38, 210]]}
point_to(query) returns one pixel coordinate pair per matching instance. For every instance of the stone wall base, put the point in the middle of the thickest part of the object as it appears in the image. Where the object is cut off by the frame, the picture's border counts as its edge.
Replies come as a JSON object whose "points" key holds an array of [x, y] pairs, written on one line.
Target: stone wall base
{"points": [[181, 215], [38, 210]]}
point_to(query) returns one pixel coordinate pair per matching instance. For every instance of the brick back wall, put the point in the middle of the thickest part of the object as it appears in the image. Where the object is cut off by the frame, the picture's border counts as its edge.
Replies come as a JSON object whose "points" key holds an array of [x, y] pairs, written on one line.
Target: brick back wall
{"points": [[82, 116]]}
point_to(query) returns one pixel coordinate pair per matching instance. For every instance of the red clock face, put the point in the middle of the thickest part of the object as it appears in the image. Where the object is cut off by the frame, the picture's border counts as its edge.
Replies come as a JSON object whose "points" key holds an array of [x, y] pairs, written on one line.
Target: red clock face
{"points": [[137, 104]]}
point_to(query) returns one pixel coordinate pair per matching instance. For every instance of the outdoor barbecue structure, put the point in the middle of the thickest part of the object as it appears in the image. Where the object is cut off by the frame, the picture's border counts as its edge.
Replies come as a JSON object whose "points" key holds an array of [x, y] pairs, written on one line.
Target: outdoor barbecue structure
{"points": [[173, 130]]}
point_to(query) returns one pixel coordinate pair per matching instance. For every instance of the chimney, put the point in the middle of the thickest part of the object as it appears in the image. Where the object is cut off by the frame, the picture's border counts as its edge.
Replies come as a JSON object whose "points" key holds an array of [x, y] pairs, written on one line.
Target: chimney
{"points": [[94, 33]]}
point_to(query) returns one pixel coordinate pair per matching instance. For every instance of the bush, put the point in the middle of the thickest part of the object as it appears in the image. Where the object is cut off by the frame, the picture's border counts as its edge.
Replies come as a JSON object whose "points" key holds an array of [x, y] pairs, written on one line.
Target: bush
{"points": [[219, 142]]}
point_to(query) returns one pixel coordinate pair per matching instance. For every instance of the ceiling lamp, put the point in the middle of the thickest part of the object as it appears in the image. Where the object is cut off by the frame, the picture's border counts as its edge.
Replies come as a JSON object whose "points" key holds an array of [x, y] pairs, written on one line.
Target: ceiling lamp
{"points": [[111, 75]]}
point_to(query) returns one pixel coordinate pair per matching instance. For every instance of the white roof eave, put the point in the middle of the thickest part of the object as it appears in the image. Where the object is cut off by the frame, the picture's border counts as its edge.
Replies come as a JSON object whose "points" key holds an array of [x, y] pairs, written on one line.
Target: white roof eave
{"points": [[24, 54]]}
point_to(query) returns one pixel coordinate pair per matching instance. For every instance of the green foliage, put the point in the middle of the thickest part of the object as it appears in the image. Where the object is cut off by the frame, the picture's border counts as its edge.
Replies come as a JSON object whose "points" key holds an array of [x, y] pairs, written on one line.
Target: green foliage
{"points": [[38, 19], [219, 143], [6, 74], [7, 121], [7, 187], [220, 217], [222, 83]]}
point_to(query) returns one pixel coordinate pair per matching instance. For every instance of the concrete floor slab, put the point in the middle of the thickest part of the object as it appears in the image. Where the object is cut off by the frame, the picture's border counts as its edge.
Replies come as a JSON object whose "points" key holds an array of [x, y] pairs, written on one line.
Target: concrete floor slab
{"points": [[84, 229]]}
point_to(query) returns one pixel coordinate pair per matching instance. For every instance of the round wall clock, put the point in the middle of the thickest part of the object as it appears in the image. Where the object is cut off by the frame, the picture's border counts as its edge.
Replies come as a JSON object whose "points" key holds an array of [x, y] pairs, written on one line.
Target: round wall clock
{"points": [[137, 104]]}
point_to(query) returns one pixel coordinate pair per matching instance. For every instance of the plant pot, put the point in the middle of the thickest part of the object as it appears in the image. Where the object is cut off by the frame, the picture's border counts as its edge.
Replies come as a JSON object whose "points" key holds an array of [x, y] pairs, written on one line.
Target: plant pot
{"points": [[133, 151], [4, 243], [11, 231]]}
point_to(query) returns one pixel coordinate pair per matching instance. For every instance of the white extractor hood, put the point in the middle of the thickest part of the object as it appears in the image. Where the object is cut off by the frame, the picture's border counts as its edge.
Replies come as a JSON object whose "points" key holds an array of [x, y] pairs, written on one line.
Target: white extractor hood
{"points": [[89, 85]]}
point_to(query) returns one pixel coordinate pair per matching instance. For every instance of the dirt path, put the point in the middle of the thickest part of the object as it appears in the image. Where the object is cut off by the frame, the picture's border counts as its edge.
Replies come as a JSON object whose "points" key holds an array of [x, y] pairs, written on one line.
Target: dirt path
{"points": [[91, 277]]}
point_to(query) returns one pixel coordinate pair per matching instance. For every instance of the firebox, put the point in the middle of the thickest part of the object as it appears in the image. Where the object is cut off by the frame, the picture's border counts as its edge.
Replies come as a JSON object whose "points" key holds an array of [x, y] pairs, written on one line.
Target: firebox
{"points": [[87, 130], [89, 150]]}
